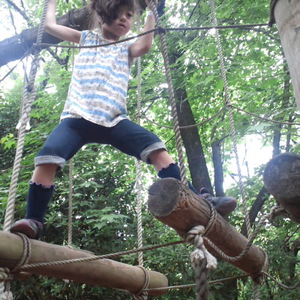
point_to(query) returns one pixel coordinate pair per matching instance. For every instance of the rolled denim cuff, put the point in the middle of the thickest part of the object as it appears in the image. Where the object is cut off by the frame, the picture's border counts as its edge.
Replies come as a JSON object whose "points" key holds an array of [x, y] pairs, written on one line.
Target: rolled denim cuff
{"points": [[49, 159], [150, 149]]}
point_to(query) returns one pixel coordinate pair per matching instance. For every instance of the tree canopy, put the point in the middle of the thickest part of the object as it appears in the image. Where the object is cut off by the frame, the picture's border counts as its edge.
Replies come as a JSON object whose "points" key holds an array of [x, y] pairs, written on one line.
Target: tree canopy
{"points": [[265, 121]]}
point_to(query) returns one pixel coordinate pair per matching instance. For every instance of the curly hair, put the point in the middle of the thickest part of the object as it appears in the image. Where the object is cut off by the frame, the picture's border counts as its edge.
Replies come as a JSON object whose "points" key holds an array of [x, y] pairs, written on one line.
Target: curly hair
{"points": [[108, 9]]}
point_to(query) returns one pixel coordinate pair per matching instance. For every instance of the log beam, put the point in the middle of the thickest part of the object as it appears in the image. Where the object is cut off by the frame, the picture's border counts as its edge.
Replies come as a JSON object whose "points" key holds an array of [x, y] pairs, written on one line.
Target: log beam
{"points": [[287, 18], [282, 180], [175, 205], [101, 272]]}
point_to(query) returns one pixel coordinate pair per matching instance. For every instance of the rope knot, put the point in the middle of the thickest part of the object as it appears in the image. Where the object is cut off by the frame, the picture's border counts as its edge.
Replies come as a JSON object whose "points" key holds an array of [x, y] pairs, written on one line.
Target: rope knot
{"points": [[4, 274], [142, 294], [200, 253], [161, 30]]}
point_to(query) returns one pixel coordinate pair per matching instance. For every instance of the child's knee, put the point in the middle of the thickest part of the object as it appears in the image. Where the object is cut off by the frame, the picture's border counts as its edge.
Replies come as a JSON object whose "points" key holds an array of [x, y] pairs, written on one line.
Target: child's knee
{"points": [[153, 151]]}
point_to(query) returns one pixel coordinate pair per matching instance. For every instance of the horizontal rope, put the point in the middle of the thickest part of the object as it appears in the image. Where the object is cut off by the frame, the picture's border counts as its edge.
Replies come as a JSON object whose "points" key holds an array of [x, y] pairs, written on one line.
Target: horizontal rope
{"points": [[96, 257], [242, 26]]}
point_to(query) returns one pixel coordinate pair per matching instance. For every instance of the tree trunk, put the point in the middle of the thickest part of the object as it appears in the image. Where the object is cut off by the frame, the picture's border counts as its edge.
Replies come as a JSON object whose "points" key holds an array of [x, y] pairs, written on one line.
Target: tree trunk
{"points": [[190, 136], [17, 46], [218, 168], [262, 196], [192, 142]]}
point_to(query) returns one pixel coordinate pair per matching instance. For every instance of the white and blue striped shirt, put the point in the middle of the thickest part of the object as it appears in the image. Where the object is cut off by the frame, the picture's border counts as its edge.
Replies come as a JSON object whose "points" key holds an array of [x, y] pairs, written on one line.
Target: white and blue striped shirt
{"points": [[99, 83]]}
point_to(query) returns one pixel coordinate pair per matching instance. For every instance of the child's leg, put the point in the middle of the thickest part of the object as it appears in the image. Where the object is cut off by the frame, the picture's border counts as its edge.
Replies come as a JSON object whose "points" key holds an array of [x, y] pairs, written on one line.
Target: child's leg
{"points": [[61, 145], [39, 194], [40, 191], [135, 140], [166, 166]]}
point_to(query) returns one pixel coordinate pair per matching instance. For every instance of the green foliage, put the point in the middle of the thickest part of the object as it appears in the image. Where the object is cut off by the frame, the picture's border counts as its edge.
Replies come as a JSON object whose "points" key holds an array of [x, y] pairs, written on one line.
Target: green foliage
{"points": [[104, 200]]}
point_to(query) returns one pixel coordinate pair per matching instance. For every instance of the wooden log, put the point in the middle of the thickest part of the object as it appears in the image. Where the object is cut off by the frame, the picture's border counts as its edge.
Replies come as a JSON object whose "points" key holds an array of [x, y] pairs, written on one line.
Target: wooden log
{"points": [[101, 272], [282, 180], [287, 17], [174, 204]]}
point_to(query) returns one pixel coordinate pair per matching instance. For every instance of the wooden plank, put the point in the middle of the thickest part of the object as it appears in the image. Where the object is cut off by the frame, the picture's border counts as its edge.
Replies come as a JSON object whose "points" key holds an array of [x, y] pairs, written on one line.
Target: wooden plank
{"points": [[287, 16], [282, 180], [101, 272], [175, 205]]}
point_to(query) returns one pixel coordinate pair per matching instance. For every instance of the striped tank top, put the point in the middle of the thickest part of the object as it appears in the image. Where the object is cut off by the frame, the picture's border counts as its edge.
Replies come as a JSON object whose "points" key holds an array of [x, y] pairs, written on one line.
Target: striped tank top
{"points": [[99, 83]]}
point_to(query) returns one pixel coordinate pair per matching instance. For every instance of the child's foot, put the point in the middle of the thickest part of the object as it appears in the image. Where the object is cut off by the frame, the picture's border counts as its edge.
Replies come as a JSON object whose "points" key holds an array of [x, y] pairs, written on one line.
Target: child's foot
{"points": [[30, 227], [223, 205]]}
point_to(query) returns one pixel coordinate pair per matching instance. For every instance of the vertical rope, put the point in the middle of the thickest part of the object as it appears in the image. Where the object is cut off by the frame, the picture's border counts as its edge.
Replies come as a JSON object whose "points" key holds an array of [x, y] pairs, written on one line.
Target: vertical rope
{"points": [[139, 186], [202, 292], [71, 171], [256, 292], [29, 95], [70, 208], [171, 95], [230, 112]]}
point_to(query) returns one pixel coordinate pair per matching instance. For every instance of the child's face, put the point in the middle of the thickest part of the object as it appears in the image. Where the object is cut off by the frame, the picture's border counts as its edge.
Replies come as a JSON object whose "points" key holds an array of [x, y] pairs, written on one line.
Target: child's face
{"points": [[119, 26]]}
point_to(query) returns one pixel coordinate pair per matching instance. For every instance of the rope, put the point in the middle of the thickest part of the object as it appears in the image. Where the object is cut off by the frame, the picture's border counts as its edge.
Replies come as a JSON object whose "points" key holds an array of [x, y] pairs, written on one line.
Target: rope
{"points": [[143, 293], [138, 182], [295, 286], [70, 208], [207, 28], [202, 260], [26, 252], [171, 95], [256, 292], [29, 95], [95, 257], [4, 293], [218, 281], [230, 112], [4, 274], [276, 210]]}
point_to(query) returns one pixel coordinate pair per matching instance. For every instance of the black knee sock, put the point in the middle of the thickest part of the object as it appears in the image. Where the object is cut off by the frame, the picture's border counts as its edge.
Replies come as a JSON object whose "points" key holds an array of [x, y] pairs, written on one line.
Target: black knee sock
{"points": [[173, 171], [37, 201]]}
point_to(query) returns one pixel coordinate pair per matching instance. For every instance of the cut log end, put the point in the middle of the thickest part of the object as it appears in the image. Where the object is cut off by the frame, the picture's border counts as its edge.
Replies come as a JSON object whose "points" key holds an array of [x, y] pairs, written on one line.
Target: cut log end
{"points": [[282, 180], [162, 196]]}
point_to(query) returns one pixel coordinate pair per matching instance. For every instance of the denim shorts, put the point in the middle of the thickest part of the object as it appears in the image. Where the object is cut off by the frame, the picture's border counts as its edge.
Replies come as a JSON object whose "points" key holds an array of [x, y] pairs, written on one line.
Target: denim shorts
{"points": [[71, 134]]}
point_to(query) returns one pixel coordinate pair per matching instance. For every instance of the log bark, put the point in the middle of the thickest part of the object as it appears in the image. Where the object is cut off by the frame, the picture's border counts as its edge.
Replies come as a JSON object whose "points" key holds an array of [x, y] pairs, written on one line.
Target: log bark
{"points": [[175, 205], [282, 180], [287, 17], [101, 272]]}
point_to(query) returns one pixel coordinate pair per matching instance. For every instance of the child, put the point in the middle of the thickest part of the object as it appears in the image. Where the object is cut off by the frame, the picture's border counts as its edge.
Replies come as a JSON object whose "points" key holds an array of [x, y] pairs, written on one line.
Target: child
{"points": [[95, 110]]}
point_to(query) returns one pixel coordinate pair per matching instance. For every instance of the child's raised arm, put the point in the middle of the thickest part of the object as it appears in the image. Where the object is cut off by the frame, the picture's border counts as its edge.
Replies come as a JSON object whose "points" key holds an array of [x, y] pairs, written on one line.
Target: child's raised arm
{"points": [[59, 31], [144, 43]]}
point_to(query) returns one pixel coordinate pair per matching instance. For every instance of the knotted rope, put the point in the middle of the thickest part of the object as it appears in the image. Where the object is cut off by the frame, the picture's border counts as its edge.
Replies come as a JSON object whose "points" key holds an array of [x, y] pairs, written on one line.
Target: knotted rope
{"points": [[202, 261], [143, 294]]}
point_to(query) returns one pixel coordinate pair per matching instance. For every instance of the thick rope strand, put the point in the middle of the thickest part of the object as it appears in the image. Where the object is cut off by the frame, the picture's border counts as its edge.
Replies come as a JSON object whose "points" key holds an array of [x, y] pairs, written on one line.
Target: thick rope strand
{"points": [[230, 112], [179, 146], [29, 94]]}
